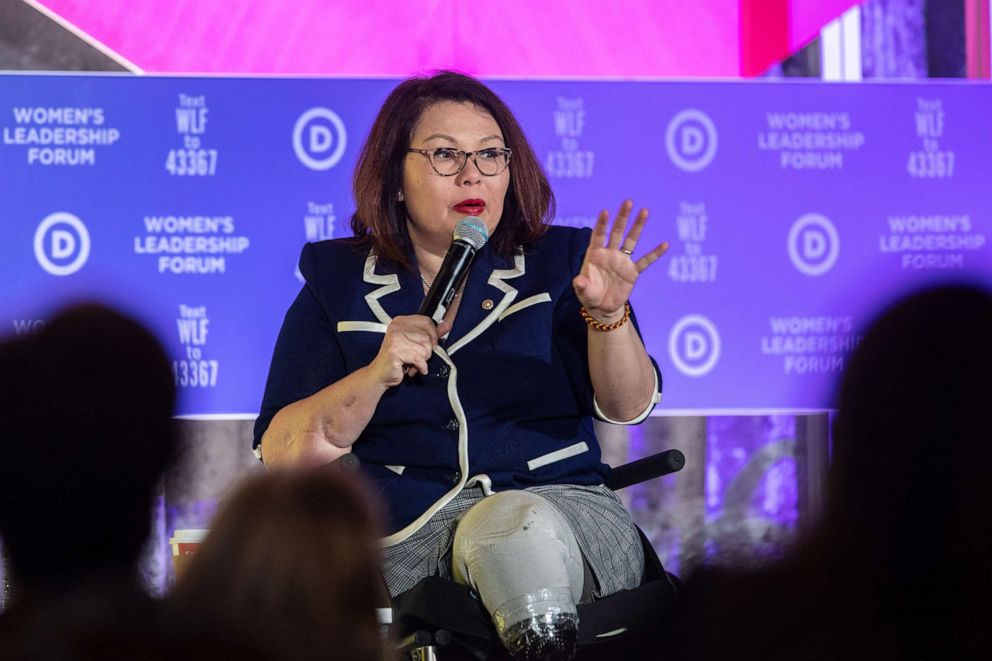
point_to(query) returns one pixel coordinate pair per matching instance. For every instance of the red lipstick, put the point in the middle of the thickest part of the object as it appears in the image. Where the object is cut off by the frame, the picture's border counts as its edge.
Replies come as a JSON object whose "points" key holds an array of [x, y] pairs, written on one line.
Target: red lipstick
{"points": [[471, 207]]}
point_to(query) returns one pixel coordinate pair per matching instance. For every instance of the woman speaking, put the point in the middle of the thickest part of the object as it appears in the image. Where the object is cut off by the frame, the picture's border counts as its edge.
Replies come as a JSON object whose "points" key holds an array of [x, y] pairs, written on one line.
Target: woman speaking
{"points": [[476, 431]]}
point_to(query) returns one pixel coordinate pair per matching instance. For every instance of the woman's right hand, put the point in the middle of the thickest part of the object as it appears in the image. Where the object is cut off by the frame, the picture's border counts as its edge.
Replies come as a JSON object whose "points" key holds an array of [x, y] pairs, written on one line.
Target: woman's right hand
{"points": [[319, 428], [406, 348]]}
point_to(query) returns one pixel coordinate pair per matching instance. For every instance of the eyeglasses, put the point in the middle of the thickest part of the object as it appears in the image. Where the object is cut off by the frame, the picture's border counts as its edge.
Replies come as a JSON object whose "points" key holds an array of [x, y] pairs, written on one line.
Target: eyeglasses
{"points": [[448, 162]]}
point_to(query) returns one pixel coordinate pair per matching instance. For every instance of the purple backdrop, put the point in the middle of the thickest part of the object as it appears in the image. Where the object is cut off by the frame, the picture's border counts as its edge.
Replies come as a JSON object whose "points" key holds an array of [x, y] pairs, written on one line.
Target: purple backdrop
{"points": [[794, 210]]}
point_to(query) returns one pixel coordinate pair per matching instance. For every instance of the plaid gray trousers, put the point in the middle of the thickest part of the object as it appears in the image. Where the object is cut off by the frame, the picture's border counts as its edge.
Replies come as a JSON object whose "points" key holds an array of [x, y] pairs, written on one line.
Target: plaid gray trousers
{"points": [[610, 545]]}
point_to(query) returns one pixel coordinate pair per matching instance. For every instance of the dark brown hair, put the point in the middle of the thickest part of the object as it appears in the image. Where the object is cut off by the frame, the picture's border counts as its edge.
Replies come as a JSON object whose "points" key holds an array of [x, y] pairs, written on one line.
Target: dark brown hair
{"points": [[381, 218], [292, 563]]}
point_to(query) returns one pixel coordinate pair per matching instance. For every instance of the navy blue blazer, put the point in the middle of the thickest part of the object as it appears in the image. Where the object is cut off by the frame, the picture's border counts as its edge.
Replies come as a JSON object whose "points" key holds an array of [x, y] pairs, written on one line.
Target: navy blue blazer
{"points": [[508, 401]]}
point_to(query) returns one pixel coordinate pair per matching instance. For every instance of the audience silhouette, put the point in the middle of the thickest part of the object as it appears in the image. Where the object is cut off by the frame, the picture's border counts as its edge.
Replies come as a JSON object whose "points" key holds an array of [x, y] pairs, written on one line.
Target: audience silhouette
{"points": [[87, 404], [291, 563], [898, 566]]}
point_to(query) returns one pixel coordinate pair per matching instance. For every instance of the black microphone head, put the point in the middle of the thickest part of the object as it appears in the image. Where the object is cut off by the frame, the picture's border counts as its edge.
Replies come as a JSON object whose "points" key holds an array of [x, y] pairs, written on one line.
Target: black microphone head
{"points": [[472, 231]]}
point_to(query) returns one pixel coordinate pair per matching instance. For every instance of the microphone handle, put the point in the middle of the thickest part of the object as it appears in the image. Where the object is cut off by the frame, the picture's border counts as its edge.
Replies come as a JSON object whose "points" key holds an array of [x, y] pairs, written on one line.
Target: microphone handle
{"points": [[442, 291]]}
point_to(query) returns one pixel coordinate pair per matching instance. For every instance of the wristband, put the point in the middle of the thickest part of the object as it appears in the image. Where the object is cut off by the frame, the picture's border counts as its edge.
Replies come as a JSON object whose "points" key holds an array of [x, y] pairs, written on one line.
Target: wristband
{"points": [[600, 326]]}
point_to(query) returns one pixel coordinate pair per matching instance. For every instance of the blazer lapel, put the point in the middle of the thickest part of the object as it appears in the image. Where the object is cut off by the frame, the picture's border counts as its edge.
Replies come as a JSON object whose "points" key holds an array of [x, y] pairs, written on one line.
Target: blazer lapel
{"points": [[490, 279], [490, 282]]}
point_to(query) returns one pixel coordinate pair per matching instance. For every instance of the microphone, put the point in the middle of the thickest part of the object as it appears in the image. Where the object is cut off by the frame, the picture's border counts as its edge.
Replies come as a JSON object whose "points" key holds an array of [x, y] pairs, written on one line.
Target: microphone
{"points": [[469, 236]]}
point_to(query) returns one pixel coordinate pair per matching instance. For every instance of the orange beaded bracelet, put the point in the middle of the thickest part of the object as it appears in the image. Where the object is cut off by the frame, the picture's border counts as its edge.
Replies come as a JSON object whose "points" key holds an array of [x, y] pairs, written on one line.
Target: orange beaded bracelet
{"points": [[599, 325]]}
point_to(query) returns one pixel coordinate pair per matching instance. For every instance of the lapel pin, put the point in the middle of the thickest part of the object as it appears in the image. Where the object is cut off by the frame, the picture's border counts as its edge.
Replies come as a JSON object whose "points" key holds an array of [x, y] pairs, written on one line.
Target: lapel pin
{"points": [[487, 304]]}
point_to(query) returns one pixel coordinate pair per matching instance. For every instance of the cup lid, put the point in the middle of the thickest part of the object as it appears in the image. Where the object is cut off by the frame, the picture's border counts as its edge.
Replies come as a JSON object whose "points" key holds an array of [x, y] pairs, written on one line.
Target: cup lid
{"points": [[188, 535]]}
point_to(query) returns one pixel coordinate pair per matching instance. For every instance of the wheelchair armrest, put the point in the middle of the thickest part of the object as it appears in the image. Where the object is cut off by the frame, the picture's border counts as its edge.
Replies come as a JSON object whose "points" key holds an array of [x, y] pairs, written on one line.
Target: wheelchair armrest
{"points": [[662, 463], [648, 468]]}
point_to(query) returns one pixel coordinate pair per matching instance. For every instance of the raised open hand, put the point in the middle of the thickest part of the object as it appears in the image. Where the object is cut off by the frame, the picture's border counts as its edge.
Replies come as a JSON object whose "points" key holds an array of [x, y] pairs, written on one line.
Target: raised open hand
{"points": [[609, 270]]}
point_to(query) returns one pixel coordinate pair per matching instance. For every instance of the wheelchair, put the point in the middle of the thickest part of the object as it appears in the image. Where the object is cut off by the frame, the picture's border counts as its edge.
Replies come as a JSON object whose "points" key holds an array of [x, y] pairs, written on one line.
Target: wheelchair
{"points": [[440, 619]]}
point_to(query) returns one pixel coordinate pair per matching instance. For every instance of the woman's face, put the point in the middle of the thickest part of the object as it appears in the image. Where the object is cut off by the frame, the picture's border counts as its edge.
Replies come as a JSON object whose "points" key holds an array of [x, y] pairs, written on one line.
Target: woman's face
{"points": [[435, 203]]}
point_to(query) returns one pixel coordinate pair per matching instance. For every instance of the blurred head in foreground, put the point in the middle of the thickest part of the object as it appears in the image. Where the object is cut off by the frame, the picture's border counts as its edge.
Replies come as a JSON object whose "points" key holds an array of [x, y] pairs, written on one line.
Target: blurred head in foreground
{"points": [[291, 562], [86, 404], [897, 567], [908, 483]]}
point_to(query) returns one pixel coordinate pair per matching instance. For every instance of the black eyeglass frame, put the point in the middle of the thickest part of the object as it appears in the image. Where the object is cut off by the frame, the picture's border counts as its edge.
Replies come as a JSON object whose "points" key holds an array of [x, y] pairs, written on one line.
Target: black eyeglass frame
{"points": [[429, 153]]}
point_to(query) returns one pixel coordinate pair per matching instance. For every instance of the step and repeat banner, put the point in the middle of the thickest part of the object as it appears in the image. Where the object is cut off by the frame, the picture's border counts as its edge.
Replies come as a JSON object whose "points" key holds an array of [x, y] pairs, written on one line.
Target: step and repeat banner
{"points": [[794, 211]]}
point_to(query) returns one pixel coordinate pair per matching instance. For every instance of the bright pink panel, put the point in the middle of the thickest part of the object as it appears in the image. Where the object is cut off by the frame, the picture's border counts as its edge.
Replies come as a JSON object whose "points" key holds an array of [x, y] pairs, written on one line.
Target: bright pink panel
{"points": [[619, 38], [262, 36], [398, 37], [809, 16], [764, 34]]}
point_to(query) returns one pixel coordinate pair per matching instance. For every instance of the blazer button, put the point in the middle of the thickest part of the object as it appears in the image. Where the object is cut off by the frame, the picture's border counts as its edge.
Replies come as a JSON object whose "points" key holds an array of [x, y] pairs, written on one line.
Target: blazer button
{"points": [[456, 477], [443, 371], [452, 425]]}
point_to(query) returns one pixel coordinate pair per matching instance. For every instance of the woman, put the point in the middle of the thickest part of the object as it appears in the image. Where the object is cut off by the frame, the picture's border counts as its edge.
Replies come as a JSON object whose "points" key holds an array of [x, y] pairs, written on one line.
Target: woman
{"points": [[499, 397]]}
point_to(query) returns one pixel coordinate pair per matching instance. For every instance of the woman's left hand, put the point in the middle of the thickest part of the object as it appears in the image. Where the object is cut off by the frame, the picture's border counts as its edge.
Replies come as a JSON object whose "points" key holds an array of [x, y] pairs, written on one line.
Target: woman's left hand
{"points": [[609, 270]]}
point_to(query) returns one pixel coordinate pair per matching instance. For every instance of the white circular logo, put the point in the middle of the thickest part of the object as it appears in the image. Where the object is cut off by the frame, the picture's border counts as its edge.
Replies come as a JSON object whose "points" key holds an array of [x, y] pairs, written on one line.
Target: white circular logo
{"points": [[813, 244], [61, 243], [319, 138], [694, 345], [691, 140]]}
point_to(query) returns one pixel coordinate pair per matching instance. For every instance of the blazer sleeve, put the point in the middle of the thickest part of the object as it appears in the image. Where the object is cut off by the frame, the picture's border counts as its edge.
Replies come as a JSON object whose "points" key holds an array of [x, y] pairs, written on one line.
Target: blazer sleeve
{"points": [[572, 336], [307, 355]]}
